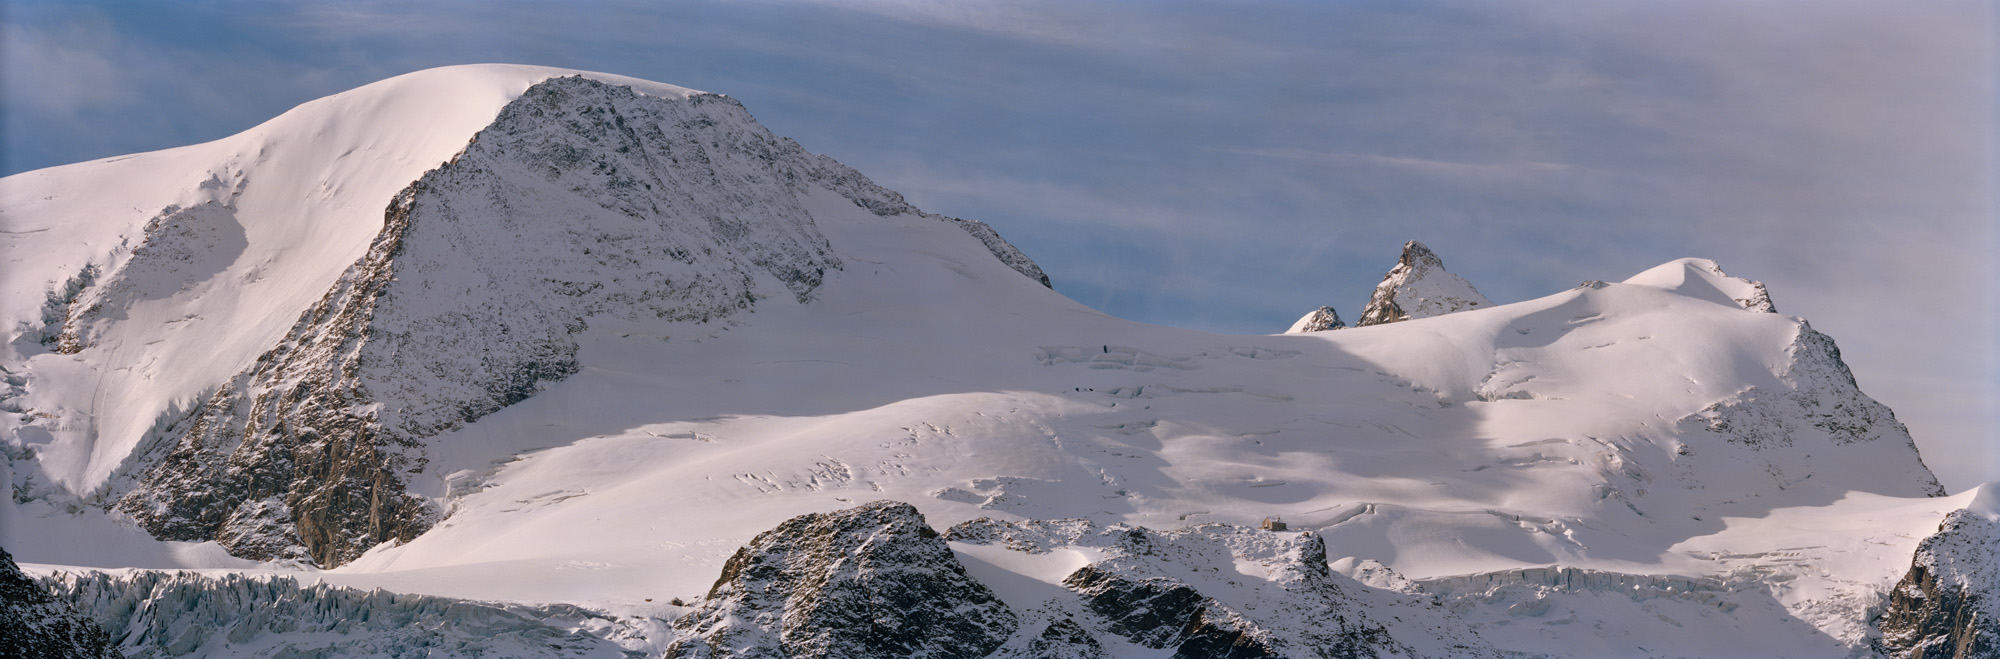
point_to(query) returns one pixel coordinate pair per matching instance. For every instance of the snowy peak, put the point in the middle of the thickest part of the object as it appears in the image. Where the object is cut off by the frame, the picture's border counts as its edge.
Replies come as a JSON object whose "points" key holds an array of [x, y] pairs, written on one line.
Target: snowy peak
{"points": [[1419, 287], [583, 201], [1319, 320], [1703, 279]]}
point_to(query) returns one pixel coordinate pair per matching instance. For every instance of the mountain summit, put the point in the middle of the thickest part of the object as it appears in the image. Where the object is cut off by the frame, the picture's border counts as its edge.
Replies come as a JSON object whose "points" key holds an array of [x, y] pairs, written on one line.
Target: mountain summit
{"points": [[1419, 287], [585, 200]]}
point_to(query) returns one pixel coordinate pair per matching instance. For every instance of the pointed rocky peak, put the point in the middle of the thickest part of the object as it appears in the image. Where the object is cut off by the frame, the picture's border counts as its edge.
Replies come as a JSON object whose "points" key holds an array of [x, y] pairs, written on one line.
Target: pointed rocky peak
{"points": [[1320, 320], [1419, 287]]}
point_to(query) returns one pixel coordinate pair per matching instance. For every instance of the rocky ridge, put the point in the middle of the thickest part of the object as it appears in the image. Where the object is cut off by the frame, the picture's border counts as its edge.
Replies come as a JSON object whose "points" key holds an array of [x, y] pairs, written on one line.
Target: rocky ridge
{"points": [[1190, 591], [1948, 605], [1818, 405], [1419, 287]]}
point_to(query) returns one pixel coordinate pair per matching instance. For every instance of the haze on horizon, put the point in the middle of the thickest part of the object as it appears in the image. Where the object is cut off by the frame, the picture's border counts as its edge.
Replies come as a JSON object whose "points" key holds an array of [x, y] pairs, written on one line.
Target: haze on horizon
{"points": [[1229, 167]]}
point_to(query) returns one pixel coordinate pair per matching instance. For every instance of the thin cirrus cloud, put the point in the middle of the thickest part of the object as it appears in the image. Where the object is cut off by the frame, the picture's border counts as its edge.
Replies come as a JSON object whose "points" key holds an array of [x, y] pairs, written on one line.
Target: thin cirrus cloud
{"points": [[1228, 166]]}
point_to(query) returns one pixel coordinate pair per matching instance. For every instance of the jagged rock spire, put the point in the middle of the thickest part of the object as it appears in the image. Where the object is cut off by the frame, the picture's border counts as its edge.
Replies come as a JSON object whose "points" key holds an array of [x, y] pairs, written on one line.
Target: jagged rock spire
{"points": [[1419, 287], [1319, 320]]}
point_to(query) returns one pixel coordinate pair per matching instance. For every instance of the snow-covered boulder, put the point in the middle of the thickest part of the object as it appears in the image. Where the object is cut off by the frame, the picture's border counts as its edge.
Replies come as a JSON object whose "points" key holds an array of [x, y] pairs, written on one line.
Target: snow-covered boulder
{"points": [[1318, 320], [34, 624], [870, 581], [1948, 605], [1419, 287]]}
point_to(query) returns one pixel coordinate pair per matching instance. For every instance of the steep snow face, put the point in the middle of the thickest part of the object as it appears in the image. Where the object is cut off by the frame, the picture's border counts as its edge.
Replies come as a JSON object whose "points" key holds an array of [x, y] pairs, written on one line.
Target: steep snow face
{"points": [[1418, 287], [162, 274], [1948, 604], [1319, 320]]}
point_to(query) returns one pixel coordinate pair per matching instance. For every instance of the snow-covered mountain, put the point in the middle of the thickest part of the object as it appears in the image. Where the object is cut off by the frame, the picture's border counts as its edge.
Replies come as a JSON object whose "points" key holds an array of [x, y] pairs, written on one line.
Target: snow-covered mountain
{"points": [[1419, 287], [522, 339]]}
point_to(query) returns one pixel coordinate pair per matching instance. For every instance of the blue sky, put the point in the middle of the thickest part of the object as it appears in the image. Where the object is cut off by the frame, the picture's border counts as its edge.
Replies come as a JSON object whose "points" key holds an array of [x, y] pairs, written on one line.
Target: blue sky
{"points": [[1229, 166]]}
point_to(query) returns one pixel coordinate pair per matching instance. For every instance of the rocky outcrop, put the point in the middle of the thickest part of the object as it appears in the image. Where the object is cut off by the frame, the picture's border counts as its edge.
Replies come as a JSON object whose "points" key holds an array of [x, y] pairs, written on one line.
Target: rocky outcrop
{"points": [[35, 624], [1822, 407], [1319, 320], [1190, 592], [1948, 605], [871, 581], [581, 201], [1419, 287], [1001, 249]]}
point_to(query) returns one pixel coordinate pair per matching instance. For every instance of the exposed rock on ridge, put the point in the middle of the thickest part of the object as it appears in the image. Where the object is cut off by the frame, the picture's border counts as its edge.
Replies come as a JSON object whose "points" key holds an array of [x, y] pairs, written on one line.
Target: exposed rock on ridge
{"points": [[1319, 320], [1419, 287], [34, 624], [1948, 605], [1163, 590], [580, 200], [1823, 394], [871, 581]]}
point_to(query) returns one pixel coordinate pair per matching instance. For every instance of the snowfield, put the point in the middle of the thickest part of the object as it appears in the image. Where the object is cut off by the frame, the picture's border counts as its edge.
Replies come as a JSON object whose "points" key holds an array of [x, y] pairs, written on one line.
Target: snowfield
{"points": [[596, 334]]}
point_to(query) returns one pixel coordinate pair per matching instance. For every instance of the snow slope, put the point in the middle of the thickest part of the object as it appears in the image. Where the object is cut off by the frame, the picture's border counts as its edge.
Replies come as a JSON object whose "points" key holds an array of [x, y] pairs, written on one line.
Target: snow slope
{"points": [[560, 399]]}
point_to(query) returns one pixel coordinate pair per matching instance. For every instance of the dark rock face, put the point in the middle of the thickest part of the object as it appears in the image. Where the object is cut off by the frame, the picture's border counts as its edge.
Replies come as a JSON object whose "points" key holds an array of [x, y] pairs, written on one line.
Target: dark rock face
{"points": [[1062, 638], [1948, 605], [1419, 287], [581, 201], [872, 581], [1160, 613], [34, 625]]}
